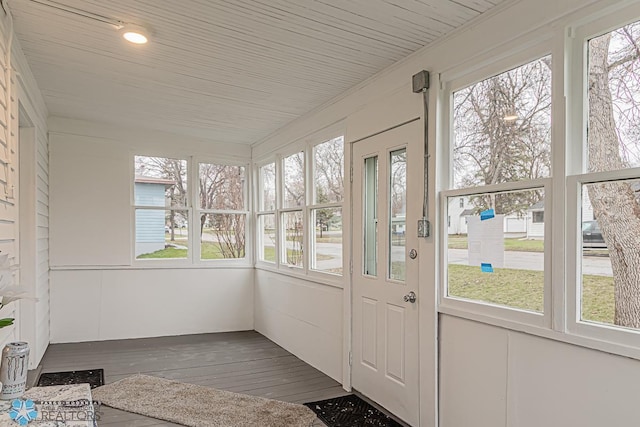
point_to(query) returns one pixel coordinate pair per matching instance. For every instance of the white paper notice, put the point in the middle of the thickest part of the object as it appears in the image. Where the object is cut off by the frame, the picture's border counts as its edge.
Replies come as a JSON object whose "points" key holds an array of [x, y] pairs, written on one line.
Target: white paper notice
{"points": [[486, 241]]}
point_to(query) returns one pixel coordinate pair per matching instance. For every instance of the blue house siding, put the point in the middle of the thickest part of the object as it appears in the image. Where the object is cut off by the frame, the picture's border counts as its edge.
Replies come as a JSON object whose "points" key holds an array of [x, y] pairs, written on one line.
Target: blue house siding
{"points": [[147, 194], [150, 223]]}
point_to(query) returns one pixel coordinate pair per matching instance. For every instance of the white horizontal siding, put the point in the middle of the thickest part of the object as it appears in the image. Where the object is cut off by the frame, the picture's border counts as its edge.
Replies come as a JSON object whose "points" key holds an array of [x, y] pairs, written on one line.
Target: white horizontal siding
{"points": [[42, 328], [8, 176], [32, 199]]}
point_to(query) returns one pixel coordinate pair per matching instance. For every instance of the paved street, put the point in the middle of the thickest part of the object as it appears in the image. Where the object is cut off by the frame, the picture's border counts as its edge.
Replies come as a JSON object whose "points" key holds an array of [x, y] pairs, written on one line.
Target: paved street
{"points": [[595, 265], [592, 265]]}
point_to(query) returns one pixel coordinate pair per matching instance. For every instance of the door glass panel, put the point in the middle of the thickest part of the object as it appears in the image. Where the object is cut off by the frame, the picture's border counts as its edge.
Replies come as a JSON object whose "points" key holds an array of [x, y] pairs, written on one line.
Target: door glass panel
{"points": [[370, 216], [397, 213]]}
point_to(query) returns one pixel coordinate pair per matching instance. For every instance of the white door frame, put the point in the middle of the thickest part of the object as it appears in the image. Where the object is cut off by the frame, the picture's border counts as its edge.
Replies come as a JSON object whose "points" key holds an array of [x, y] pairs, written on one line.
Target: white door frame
{"points": [[407, 107], [27, 250]]}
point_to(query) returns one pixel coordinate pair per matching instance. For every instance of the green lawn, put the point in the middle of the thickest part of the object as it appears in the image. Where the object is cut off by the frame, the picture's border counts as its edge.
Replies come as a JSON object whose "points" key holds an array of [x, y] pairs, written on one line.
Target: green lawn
{"points": [[210, 250], [269, 254], [165, 253], [460, 242], [524, 289], [328, 239]]}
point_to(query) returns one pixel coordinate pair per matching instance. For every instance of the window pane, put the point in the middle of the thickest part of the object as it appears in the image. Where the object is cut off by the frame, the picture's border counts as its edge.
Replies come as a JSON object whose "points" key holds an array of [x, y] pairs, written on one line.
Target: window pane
{"points": [[614, 100], [267, 185], [370, 220], [611, 253], [161, 234], [397, 214], [502, 127], [222, 236], [221, 187], [267, 238], [496, 251], [327, 240], [293, 233], [160, 181], [293, 167], [328, 171]]}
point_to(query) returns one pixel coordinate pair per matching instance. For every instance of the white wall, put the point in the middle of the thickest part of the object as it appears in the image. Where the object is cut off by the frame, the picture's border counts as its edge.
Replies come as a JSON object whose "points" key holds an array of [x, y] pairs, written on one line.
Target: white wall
{"points": [[97, 290], [493, 377], [92, 305], [302, 316], [24, 212], [8, 153]]}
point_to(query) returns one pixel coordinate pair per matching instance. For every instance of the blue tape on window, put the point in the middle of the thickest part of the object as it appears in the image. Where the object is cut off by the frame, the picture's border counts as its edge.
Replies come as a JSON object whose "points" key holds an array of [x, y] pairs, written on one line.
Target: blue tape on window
{"points": [[486, 267], [488, 214]]}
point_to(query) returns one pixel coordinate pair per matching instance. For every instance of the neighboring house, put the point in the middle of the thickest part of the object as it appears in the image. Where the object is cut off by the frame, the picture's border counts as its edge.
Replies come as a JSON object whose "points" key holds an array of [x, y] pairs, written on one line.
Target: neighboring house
{"points": [[460, 208], [150, 223], [535, 228], [456, 214]]}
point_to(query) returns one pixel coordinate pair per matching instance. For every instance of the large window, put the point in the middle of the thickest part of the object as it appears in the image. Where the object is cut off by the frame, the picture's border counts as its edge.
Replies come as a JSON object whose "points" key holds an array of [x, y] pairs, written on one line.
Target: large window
{"points": [[500, 161], [164, 220], [608, 190], [161, 208], [292, 219], [543, 223], [300, 212], [222, 211], [266, 229], [326, 207]]}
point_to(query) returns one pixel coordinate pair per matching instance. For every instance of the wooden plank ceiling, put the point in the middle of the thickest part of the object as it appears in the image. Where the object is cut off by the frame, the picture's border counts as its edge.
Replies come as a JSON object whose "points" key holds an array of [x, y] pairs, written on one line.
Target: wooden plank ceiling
{"points": [[225, 70]]}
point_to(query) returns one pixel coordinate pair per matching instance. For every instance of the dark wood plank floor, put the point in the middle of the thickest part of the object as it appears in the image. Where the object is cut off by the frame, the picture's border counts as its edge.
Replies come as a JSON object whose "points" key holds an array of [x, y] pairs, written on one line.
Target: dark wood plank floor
{"points": [[243, 362]]}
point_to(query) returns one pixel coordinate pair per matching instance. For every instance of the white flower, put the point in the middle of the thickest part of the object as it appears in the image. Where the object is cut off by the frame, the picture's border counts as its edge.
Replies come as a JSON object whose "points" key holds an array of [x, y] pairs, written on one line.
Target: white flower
{"points": [[10, 292]]}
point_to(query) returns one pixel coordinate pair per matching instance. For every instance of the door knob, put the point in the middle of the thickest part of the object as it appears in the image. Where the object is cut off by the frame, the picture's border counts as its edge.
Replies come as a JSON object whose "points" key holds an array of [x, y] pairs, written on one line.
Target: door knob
{"points": [[410, 297]]}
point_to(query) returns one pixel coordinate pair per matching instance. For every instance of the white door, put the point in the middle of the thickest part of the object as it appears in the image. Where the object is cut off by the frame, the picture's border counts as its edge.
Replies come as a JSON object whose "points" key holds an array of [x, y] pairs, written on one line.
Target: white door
{"points": [[386, 205]]}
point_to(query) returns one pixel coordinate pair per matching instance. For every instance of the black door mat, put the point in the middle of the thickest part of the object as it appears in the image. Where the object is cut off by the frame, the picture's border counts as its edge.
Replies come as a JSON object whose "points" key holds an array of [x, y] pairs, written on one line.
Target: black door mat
{"points": [[350, 411], [95, 378]]}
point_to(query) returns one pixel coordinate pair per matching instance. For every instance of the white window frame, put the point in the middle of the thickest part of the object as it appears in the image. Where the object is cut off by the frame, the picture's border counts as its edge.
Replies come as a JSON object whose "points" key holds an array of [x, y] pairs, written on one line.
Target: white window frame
{"points": [[451, 82], [193, 236], [311, 206], [261, 212], [305, 146], [162, 262], [614, 337], [197, 211], [281, 250]]}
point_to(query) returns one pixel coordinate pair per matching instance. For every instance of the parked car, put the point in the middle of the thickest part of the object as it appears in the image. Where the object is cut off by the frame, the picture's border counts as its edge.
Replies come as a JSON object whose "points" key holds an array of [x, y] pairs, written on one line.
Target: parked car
{"points": [[592, 235]]}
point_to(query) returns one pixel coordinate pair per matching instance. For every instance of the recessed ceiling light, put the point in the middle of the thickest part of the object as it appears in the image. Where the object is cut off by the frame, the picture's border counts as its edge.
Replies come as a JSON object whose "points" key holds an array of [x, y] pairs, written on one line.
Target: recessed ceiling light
{"points": [[135, 34]]}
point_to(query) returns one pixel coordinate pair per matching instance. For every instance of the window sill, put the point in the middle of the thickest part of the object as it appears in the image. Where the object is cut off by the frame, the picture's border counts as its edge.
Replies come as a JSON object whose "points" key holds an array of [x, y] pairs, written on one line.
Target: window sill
{"points": [[314, 278], [155, 266]]}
